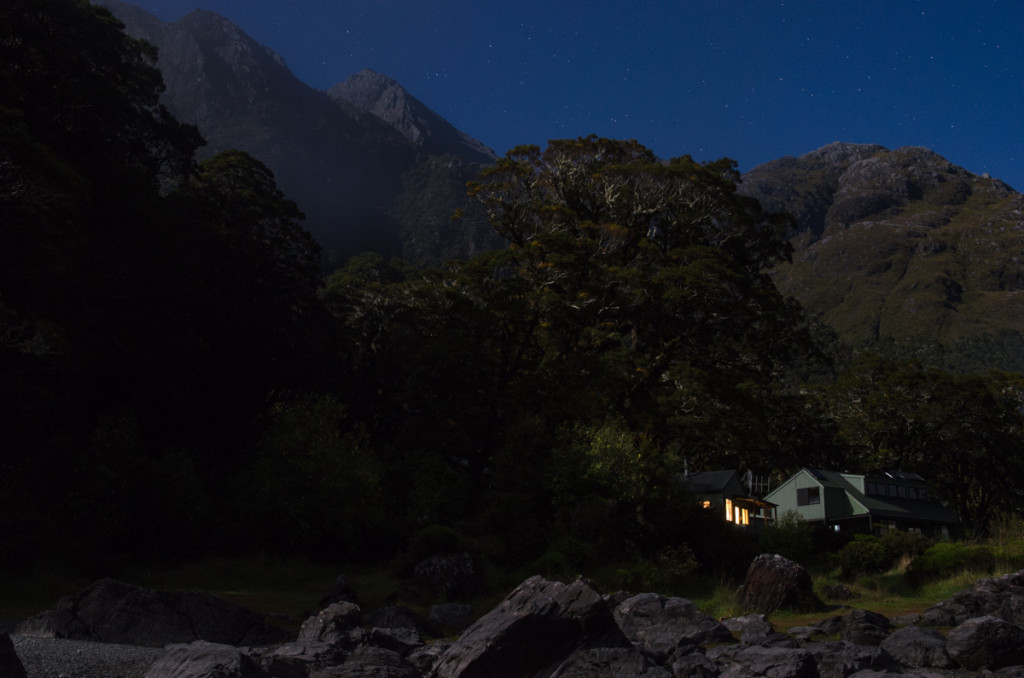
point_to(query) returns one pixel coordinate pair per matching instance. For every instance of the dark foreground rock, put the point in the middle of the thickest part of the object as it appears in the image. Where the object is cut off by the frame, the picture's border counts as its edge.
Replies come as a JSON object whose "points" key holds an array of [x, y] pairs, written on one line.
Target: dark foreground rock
{"points": [[662, 625], [1001, 597], [775, 582], [533, 631], [547, 629], [333, 625], [914, 646], [863, 627], [205, 660], [986, 643], [10, 664], [111, 611]]}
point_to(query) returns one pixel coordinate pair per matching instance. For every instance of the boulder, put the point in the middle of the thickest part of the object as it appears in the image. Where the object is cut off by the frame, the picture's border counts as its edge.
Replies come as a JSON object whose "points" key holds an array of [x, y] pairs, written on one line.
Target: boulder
{"points": [[340, 592], [299, 659], [863, 627], [532, 631], [660, 624], [1001, 597], [452, 576], [774, 582], [694, 665], [10, 663], [755, 629], [610, 662], [778, 662], [402, 641], [369, 662], [451, 617], [749, 626], [831, 626], [400, 617], [804, 633], [333, 625], [111, 611], [909, 619], [918, 647], [425, 657], [838, 659], [201, 659], [986, 643]]}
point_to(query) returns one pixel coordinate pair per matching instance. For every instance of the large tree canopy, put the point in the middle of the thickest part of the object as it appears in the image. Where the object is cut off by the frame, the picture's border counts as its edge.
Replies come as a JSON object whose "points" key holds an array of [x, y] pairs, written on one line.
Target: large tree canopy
{"points": [[646, 284]]}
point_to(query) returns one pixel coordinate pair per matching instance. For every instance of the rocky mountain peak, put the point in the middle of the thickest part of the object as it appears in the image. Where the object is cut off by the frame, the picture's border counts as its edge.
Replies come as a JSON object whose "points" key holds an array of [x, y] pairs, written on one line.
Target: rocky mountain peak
{"points": [[231, 43], [384, 98], [363, 171], [842, 183], [902, 248]]}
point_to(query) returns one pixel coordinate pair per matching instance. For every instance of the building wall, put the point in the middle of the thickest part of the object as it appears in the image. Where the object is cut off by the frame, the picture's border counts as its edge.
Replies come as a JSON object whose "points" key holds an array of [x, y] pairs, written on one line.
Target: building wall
{"points": [[837, 503], [786, 497]]}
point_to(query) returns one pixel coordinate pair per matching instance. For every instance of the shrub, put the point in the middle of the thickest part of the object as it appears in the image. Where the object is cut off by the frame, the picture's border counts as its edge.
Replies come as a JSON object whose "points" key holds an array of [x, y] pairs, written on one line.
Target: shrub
{"points": [[908, 545], [947, 558], [866, 554], [433, 540], [789, 537], [436, 540], [1008, 541]]}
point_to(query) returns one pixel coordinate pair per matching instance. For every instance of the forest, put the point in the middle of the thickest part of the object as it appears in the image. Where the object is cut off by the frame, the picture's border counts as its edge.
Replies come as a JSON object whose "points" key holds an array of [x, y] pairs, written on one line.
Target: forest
{"points": [[180, 378]]}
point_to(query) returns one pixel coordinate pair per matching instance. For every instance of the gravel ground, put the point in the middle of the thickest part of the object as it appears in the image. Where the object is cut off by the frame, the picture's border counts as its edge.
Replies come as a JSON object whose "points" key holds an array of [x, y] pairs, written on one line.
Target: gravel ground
{"points": [[51, 658]]}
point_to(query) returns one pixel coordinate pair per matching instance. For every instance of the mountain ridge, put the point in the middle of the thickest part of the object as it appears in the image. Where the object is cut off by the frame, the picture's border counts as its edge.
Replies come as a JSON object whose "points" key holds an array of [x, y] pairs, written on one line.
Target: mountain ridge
{"points": [[902, 249], [384, 97], [349, 169]]}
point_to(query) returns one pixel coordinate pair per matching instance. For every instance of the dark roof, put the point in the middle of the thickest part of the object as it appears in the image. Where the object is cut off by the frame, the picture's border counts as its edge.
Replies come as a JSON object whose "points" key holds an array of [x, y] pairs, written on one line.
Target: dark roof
{"points": [[707, 481], [929, 510]]}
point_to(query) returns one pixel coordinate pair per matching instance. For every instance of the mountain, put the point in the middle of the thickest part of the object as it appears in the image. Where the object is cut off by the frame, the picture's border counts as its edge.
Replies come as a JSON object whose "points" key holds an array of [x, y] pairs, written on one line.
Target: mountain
{"points": [[902, 251], [436, 185], [383, 97], [351, 160]]}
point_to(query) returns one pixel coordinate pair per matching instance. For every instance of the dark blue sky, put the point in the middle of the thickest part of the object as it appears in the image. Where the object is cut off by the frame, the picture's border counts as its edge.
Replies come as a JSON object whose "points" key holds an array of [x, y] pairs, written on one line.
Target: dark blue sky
{"points": [[752, 80]]}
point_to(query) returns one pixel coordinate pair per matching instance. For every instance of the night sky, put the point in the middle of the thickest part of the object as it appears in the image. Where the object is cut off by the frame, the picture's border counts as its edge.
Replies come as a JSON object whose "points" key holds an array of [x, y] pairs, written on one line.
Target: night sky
{"points": [[752, 80]]}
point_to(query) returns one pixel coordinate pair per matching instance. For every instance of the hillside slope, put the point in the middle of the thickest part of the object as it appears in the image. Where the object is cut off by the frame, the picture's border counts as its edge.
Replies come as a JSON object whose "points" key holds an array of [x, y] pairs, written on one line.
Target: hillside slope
{"points": [[902, 250]]}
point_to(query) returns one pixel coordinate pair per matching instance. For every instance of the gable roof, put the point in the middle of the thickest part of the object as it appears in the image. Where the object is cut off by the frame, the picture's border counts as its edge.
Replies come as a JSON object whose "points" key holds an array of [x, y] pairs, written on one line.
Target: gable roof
{"points": [[707, 482]]}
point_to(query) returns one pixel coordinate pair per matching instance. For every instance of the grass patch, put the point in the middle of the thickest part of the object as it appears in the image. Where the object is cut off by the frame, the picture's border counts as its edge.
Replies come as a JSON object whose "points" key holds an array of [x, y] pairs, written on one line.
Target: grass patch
{"points": [[715, 596]]}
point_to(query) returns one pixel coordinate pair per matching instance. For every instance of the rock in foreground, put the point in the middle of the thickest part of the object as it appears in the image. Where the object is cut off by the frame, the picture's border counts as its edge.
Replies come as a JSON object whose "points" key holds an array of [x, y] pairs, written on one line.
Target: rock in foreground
{"points": [[775, 582], [110, 611]]}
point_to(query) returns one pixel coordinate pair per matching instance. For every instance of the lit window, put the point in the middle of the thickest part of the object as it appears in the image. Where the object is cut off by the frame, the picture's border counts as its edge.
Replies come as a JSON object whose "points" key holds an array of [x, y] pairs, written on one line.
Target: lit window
{"points": [[728, 510], [705, 504], [745, 517]]}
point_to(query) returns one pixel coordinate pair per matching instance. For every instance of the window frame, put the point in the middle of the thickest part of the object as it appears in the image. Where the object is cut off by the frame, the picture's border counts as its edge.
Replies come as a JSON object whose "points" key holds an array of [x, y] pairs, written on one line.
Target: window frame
{"points": [[808, 496]]}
